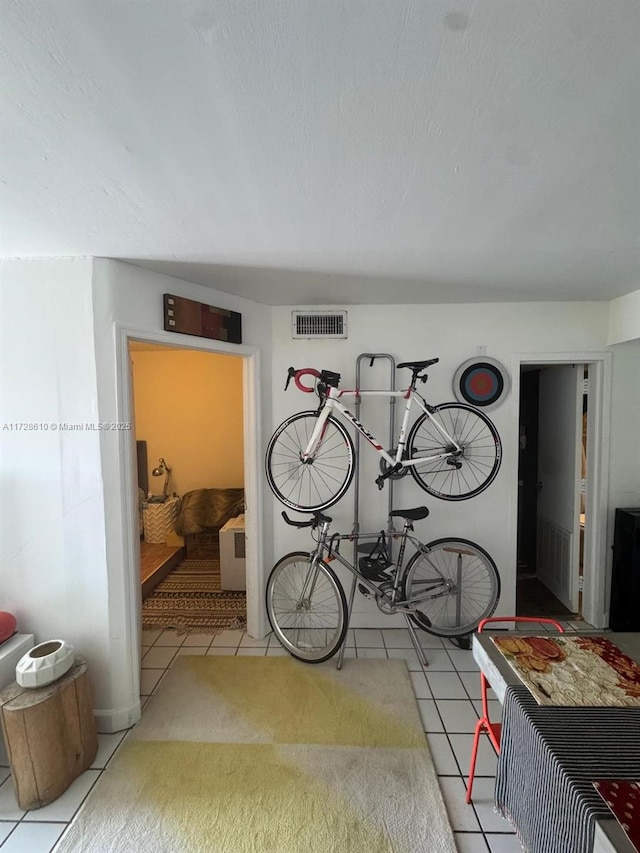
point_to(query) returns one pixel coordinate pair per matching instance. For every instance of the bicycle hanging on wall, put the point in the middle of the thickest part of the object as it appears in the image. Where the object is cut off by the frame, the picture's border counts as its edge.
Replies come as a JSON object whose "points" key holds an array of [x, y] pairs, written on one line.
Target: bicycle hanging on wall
{"points": [[453, 451], [446, 587]]}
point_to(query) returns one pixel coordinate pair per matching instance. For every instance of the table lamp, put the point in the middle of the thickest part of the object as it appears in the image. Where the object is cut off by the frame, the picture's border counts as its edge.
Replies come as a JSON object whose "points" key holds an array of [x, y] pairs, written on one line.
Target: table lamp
{"points": [[162, 468]]}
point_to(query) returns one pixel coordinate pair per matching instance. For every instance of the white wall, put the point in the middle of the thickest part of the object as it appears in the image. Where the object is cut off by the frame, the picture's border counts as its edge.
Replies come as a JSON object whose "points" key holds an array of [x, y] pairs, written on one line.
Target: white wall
{"points": [[53, 571], [188, 410], [453, 333], [624, 488], [624, 479], [129, 296], [624, 318]]}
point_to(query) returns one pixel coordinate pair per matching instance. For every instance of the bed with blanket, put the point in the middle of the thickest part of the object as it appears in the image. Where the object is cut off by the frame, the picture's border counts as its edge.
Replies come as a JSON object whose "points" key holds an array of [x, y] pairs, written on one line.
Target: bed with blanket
{"points": [[202, 513]]}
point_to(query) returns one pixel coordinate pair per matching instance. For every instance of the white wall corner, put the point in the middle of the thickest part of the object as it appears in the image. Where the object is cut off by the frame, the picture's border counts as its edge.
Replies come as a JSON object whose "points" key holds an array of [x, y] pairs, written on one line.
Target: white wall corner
{"points": [[624, 318], [115, 720]]}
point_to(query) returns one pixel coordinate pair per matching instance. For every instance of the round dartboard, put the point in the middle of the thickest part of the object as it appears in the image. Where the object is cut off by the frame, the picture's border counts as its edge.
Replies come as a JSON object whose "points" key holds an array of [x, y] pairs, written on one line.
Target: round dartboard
{"points": [[482, 382]]}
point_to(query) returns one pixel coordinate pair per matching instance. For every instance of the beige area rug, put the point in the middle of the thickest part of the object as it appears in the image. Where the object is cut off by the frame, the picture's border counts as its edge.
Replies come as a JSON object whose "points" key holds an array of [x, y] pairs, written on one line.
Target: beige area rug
{"points": [[269, 755], [190, 599]]}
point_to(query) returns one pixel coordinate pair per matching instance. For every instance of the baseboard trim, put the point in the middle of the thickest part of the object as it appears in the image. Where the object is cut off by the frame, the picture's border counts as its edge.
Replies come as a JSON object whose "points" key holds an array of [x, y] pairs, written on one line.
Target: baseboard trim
{"points": [[115, 720]]}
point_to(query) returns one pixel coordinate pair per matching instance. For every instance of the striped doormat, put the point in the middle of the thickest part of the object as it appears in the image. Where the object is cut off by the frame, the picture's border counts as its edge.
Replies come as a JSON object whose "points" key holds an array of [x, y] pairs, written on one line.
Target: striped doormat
{"points": [[190, 599]]}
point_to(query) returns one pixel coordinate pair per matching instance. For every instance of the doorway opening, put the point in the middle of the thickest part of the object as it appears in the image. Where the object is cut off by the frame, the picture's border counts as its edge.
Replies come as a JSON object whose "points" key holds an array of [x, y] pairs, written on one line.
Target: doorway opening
{"points": [[552, 490], [122, 504], [188, 420]]}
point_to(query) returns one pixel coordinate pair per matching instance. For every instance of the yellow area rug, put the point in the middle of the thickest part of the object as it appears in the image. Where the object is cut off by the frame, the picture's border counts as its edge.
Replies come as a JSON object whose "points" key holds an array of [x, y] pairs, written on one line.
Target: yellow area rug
{"points": [[269, 755]]}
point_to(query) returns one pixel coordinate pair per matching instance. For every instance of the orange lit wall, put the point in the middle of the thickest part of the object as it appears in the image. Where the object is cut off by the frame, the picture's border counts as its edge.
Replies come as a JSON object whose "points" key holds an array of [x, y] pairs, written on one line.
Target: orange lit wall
{"points": [[188, 408]]}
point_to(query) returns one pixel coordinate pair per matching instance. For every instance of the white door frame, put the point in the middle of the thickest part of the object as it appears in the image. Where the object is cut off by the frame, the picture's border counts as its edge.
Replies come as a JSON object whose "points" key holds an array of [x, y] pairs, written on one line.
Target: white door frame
{"points": [[256, 621], [594, 595]]}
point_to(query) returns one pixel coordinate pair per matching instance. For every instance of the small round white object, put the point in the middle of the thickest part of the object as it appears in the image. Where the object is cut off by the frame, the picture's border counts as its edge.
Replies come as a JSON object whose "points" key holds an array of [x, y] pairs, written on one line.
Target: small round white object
{"points": [[45, 663]]}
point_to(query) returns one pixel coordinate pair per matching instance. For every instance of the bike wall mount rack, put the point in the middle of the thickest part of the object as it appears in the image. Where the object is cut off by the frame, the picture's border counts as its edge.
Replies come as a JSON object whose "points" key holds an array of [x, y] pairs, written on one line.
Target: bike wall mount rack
{"points": [[371, 358]]}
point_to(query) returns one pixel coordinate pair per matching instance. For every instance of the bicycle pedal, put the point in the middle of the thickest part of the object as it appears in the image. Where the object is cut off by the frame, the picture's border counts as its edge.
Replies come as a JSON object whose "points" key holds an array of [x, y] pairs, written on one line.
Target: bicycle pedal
{"points": [[362, 589], [380, 483], [422, 618]]}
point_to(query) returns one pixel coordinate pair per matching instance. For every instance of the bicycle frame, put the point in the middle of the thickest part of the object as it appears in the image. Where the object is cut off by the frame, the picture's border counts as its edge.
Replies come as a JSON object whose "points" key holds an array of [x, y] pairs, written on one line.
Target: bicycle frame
{"points": [[332, 403], [401, 605]]}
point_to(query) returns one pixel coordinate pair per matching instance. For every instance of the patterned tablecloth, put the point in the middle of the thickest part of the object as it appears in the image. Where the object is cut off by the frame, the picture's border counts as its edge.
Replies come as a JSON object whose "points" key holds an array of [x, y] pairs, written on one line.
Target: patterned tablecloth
{"points": [[577, 671], [549, 759], [623, 798]]}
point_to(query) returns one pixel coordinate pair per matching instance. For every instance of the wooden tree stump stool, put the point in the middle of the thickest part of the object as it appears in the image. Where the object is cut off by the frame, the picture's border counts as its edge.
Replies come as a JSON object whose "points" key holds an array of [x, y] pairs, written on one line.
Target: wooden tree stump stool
{"points": [[50, 735]]}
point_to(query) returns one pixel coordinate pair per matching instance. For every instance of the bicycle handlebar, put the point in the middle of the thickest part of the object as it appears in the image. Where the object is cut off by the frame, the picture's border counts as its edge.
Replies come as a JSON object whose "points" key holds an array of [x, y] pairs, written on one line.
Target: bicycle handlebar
{"points": [[330, 379], [296, 374]]}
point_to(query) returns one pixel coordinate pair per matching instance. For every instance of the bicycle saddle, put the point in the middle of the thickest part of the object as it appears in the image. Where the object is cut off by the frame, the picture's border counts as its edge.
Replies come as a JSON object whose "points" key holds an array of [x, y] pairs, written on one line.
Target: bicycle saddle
{"points": [[419, 365], [412, 514], [318, 518]]}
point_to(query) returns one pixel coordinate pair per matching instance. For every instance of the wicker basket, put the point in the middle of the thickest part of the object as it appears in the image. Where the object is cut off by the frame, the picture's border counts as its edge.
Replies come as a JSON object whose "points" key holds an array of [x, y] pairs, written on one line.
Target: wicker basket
{"points": [[159, 520]]}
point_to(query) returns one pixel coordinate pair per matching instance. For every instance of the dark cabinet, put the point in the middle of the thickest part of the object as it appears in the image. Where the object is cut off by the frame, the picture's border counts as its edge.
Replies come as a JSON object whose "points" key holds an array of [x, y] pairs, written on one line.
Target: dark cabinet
{"points": [[624, 611]]}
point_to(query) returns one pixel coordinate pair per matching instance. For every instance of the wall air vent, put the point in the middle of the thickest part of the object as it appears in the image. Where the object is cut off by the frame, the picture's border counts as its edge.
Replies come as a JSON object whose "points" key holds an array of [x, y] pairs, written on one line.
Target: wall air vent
{"points": [[319, 324]]}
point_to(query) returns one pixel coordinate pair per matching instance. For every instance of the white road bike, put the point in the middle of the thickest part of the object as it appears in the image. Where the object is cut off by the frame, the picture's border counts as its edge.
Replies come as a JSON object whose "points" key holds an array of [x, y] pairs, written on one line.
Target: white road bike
{"points": [[453, 451]]}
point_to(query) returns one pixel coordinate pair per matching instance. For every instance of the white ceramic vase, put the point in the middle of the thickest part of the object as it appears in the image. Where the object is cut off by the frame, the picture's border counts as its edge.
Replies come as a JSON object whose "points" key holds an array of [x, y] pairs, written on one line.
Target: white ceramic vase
{"points": [[45, 663]]}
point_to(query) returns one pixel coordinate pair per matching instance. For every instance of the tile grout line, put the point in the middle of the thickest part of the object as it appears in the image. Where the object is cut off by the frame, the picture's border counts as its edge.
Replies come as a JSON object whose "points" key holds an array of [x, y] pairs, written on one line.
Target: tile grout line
{"points": [[462, 777], [447, 734]]}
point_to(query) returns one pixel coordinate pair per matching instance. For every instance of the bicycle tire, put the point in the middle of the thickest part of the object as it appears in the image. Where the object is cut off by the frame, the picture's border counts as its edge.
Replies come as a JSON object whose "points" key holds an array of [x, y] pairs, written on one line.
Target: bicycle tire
{"points": [[478, 463], [314, 486], [315, 642], [480, 588]]}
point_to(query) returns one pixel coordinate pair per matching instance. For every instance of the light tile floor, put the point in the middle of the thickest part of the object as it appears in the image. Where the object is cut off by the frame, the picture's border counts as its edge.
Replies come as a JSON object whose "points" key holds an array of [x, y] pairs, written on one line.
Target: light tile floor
{"points": [[447, 693]]}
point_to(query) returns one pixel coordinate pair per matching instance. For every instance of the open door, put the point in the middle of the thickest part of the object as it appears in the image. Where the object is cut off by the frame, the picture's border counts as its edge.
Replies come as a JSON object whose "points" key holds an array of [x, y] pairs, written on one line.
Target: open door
{"points": [[559, 480]]}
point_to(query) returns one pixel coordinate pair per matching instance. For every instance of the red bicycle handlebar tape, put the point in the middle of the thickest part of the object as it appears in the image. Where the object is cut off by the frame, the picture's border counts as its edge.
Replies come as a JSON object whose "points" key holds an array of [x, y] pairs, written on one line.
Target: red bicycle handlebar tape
{"points": [[310, 370]]}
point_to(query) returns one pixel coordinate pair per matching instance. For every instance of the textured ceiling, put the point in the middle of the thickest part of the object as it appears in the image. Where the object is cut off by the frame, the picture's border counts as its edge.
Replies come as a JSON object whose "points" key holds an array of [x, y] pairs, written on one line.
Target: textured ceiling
{"points": [[330, 151]]}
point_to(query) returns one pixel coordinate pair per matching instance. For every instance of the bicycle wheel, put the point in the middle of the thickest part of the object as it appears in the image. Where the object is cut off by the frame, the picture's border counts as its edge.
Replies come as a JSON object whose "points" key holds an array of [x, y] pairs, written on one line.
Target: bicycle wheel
{"points": [[466, 474], [324, 479], [307, 607], [455, 584]]}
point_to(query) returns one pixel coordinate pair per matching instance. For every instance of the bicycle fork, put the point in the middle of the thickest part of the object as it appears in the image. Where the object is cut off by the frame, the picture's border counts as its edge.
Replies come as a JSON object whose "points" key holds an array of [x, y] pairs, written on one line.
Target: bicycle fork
{"points": [[317, 435], [309, 585]]}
